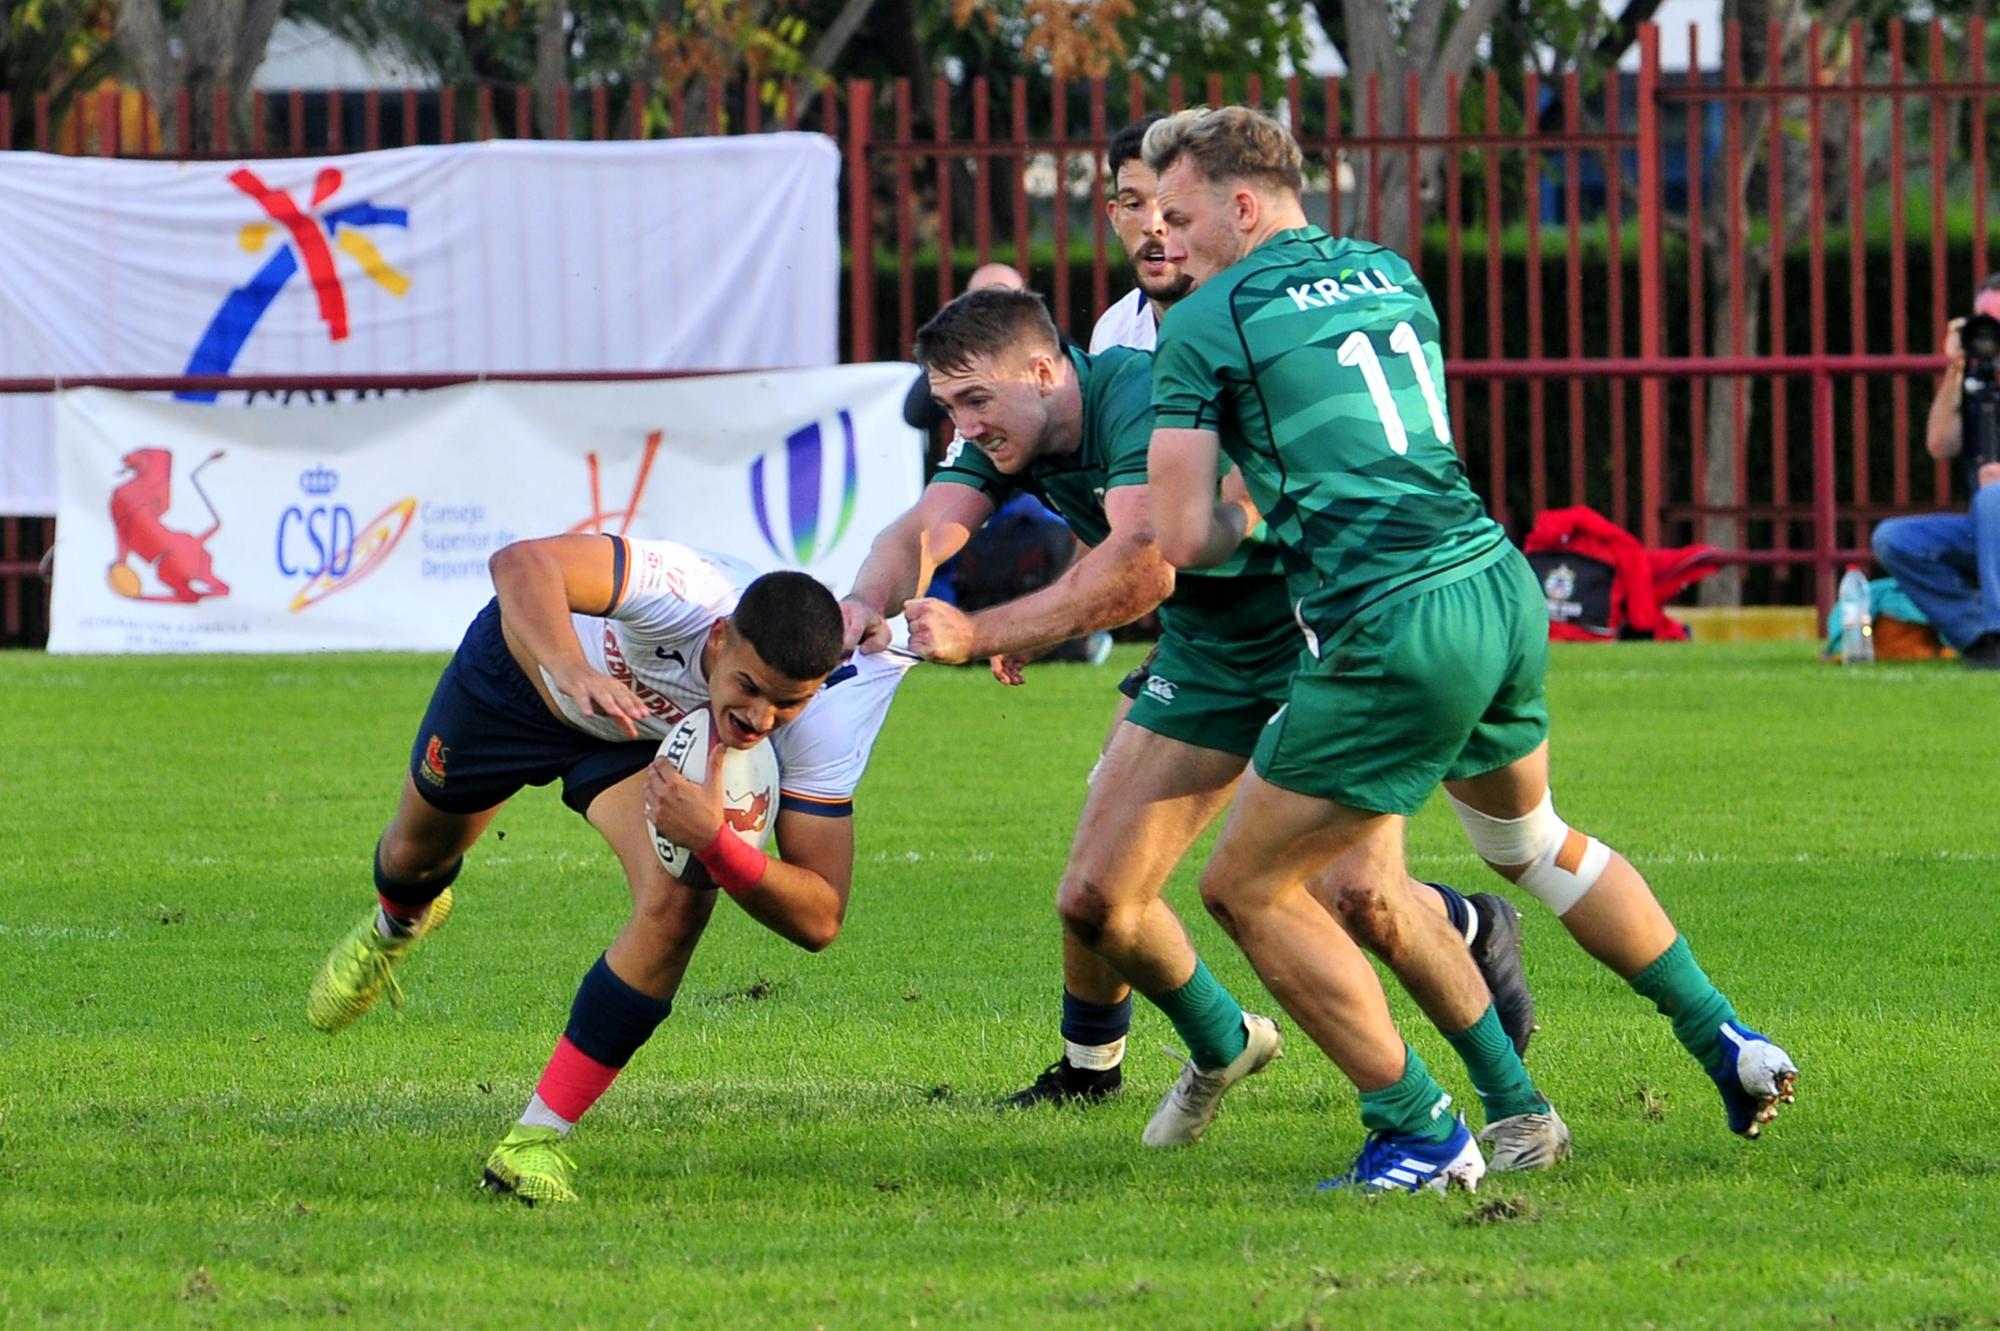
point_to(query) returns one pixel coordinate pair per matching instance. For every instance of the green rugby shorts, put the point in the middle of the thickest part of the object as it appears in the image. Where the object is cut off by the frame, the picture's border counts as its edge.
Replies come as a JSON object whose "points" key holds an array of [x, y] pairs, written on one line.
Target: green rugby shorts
{"points": [[1216, 695], [1441, 686]]}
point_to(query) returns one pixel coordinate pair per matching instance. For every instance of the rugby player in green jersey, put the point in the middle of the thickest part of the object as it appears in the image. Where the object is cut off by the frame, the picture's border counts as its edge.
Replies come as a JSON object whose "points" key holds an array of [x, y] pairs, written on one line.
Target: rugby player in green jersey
{"points": [[1314, 364], [1073, 429]]}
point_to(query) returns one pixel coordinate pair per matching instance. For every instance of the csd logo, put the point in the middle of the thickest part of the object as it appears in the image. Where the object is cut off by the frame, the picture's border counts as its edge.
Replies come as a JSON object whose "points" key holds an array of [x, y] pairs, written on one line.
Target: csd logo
{"points": [[321, 542], [803, 493], [320, 539]]}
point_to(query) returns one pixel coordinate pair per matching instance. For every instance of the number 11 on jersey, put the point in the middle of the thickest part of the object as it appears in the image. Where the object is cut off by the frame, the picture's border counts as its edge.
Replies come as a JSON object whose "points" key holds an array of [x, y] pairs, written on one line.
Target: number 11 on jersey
{"points": [[1359, 350]]}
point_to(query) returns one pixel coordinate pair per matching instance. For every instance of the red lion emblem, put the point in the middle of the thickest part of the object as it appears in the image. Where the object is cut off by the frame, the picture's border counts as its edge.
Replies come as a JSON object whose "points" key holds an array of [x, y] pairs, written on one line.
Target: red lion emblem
{"points": [[750, 820], [178, 559], [432, 768]]}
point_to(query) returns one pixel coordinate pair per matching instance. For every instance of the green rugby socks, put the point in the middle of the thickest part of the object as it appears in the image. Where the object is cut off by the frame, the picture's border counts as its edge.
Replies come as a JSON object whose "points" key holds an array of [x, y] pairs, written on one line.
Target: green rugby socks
{"points": [[1684, 994], [1416, 1106], [1503, 1084], [1208, 1018]]}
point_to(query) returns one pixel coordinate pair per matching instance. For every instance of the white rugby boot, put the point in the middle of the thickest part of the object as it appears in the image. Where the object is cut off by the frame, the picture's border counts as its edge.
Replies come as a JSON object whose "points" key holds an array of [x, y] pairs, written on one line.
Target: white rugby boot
{"points": [[1189, 1105]]}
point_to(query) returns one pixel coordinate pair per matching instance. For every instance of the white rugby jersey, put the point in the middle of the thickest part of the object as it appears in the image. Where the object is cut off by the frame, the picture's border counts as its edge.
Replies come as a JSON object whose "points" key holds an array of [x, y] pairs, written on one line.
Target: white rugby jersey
{"points": [[668, 596], [824, 751], [1128, 323]]}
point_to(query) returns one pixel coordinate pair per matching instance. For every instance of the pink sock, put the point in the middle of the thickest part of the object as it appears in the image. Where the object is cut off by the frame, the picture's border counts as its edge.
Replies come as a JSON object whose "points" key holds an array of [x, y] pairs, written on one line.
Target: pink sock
{"points": [[573, 1081], [402, 910]]}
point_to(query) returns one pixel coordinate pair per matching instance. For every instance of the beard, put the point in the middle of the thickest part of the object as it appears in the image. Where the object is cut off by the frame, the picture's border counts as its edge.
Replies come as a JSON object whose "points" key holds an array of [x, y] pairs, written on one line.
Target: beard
{"points": [[1167, 287], [1168, 290]]}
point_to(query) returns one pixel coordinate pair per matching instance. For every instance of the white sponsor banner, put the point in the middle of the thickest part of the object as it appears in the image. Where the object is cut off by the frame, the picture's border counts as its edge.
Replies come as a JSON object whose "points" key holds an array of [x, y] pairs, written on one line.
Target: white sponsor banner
{"points": [[695, 254], [367, 525]]}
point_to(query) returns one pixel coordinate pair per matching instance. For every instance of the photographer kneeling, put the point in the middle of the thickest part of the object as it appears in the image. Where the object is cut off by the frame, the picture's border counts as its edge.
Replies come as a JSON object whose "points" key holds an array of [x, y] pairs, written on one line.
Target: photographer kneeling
{"points": [[1949, 563]]}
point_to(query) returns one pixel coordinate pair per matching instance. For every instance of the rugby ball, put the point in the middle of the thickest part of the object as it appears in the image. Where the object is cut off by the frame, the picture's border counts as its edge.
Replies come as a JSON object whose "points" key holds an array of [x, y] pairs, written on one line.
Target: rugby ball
{"points": [[749, 787]]}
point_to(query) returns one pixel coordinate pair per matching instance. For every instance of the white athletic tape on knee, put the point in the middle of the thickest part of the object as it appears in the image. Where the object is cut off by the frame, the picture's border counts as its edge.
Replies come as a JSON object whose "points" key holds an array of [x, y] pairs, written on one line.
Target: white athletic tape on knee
{"points": [[1563, 863], [1567, 870], [1510, 841]]}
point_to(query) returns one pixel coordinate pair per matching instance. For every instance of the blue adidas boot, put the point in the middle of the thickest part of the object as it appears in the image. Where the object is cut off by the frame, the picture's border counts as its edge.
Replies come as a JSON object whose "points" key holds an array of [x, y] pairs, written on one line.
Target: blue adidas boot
{"points": [[1755, 1077], [1399, 1161]]}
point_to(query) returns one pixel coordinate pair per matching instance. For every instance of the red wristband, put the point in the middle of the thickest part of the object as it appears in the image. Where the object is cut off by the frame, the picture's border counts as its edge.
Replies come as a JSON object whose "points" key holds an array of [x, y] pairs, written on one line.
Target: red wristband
{"points": [[734, 864]]}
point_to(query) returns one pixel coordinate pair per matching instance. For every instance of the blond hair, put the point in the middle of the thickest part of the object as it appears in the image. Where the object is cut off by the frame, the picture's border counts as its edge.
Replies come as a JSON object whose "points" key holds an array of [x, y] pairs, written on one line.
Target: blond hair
{"points": [[1228, 143]]}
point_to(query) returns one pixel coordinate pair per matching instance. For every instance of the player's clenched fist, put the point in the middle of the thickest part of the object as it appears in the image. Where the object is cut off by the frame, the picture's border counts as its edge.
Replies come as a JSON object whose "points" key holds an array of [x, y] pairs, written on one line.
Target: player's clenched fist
{"points": [[939, 631], [863, 627], [685, 812]]}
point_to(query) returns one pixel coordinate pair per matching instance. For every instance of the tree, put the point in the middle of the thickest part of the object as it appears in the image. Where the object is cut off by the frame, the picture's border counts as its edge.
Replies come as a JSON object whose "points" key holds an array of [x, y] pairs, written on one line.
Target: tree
{"points": [[677, 51], [1194, 40], [1726, 427], [220, 44], [1154, 39], [551, 62], [61, 47], [1437, 42], [1440, 41]]}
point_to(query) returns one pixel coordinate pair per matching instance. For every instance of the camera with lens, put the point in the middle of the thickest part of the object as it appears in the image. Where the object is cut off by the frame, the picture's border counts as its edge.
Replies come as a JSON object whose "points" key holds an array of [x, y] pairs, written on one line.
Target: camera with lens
{"points": [[1979, 399]]}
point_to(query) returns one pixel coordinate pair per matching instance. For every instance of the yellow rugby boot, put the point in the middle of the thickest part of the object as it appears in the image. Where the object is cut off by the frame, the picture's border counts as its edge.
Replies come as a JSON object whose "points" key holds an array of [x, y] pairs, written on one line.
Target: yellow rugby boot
{"points": [[362, 966], [531, 1164]]}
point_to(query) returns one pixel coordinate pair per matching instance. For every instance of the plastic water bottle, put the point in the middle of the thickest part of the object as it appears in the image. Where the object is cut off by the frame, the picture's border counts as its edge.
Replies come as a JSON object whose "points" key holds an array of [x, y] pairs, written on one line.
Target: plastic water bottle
{"points": [[1857, 626]]}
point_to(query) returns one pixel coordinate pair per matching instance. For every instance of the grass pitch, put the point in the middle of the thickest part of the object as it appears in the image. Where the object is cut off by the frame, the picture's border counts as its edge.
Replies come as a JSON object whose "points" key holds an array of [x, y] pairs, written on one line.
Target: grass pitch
{"points": [[808, 1141]]}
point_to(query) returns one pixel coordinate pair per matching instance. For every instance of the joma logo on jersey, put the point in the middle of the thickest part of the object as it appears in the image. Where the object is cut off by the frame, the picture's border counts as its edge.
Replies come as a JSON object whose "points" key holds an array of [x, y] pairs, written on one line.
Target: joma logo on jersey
{"points": [[804, 493], [1327, 291], [616, 666]]}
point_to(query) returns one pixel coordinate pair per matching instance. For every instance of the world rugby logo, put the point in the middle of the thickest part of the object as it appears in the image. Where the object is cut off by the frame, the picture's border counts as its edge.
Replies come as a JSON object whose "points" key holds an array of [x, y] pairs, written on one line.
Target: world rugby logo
{"points": [[804, 493]]}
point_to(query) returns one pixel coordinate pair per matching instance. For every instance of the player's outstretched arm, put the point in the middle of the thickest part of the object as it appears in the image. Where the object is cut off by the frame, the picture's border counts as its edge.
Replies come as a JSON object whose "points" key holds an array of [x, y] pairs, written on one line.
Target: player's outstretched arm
{"points": [[1114, 583], [907, 552], [1193, 528], [539, 583]]}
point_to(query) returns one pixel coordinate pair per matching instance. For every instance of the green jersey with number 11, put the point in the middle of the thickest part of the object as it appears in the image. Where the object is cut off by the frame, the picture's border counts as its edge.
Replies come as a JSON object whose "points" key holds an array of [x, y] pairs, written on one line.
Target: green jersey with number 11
{"points": [[1317, 362]]}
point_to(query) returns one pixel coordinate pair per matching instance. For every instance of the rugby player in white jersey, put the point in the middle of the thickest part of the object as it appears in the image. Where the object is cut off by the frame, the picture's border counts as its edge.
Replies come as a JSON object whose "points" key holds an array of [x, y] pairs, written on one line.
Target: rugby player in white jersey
{"points": [[591, 650], [1133, 320]]}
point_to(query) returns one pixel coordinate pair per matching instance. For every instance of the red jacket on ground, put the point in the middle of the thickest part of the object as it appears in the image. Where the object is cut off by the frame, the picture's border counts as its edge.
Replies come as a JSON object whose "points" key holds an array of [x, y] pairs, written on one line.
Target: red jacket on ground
{"points": [[1560, 543]]}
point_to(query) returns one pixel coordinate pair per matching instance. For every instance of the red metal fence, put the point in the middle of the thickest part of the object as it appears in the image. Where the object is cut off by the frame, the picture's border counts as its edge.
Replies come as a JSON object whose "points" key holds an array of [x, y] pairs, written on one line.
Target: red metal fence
{"points": [[1599, 256]]}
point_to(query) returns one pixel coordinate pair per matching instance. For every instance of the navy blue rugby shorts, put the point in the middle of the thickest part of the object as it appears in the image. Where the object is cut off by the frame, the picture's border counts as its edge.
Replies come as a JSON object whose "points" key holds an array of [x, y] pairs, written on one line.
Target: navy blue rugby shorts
{"points": [[487, 733]]}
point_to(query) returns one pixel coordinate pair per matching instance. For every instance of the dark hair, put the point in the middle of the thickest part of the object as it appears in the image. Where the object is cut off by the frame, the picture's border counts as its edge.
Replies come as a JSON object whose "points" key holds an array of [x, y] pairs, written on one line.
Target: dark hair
{"points": [[793, 622], [986, 322], [1127, 145], [1992, 282]]}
